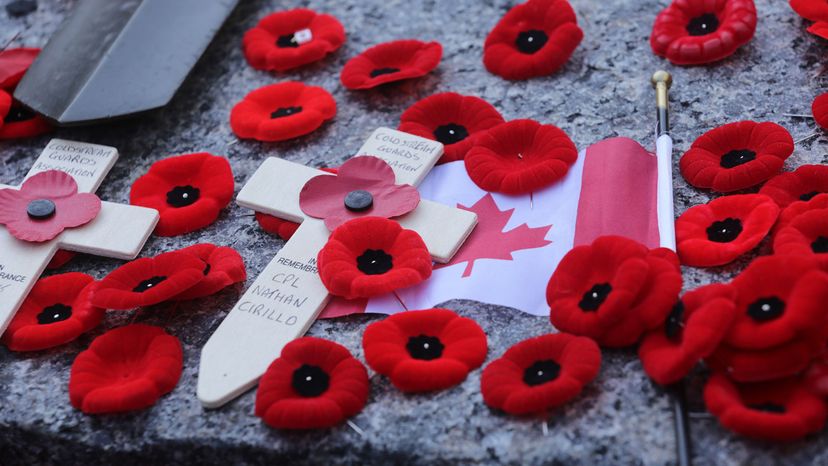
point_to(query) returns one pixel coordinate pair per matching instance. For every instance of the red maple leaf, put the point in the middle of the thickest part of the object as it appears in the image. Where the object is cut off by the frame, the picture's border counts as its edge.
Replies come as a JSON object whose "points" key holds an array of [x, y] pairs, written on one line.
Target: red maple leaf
{"points": [[489, 241]]}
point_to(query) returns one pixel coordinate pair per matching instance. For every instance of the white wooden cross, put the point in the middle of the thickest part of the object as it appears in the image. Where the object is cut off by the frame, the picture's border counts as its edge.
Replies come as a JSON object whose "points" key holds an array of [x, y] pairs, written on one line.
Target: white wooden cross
{"points": [[285, 299], [119, 231]]}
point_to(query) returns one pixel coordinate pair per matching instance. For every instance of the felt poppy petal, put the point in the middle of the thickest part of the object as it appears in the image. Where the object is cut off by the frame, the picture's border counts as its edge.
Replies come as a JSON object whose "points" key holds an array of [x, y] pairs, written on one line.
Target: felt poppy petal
{"points": [[19, 123], [60, 259], [815, 10], [276, 226], [520, 157], [148, 281], [720, 231], [806, 235], [314, 384], [13, 65], [189, 191], [5, 105], [780, 411], [454, 120], [427, 350], [736, 156], [282, 111], [799, 185], [289, 39], [816, 378], [223, 266], [55, 312], [819, 29], [765, 364], [532, 39], [540, 373], [389, 62], [818, 203], [697, 32]]}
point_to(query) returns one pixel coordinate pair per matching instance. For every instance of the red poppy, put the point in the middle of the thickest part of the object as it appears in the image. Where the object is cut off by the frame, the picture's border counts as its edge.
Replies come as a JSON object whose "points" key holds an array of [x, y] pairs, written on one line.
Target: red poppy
{"points": [[223, 266], [292, 38], [454, 120], [189, 191], [696, 32], [369, 256], [148, 281], [815, 10], [18, 121], [60, 259], [779, 411], [520, 157], [540, 373], [56, 311], [693, 330], [816, 377], [535, 38], [801, 184], [425, 350], [718, 232], [612, 291], [817, 203], [314, 384], [762, 365], [389, 62], [736, 156], [278, 112], [807, 234], [276, 226], [13, 65], [125, 369]]}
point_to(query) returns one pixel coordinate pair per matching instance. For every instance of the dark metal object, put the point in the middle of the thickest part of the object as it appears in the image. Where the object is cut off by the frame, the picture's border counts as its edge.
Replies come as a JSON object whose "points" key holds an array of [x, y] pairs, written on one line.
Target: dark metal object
{"points": [[114, 58]]}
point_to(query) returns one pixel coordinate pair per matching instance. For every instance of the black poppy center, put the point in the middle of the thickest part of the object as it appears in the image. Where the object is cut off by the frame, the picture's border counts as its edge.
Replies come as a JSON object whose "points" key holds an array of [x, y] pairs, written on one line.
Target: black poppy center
{"points": [[182, 196], [148, 284], [207, 269], [765, 309], [381, 71], [724, 231], [18, 114], [285, 112], [374, 262], [820, 245], [541, 372], [310, 381], [425, 347], [675, 321], [768, 408], [358, 200], [703, 25], [54, 313], [531, 41], [808, 196], [287, 41], [40, 209], [737, 157], [594, 297], [450, 133]]}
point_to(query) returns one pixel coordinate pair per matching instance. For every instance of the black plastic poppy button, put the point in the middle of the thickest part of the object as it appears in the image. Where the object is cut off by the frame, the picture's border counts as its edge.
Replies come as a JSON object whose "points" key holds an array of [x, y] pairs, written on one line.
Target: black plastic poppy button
{"points": [[737, 157], [703, 25], [374, 262], [541, 372], [287, 41], [724, 231], [41, 209], [182, 196], [675, 321], [820, 245], [310, 381], [766, 309], [450, 133], [425, 347], [531, 41], [148, 284], [285, 112], [595, 297], [358, 200], [381, 71], [768, 408], [54, 313]]}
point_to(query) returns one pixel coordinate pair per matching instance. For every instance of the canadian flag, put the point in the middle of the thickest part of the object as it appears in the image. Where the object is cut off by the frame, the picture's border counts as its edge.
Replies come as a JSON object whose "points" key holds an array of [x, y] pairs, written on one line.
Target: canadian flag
{"points": [[612, 189]]}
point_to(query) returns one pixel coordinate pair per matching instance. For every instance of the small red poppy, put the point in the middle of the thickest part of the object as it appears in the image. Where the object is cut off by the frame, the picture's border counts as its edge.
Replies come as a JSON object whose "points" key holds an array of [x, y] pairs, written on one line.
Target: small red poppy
{"points": [[736, 156], [148, 281], [696, 32], [422, 351], [13, 65], [718, 232], [60, 259], [125, 369], [807, 234], [520, 157], [693, 330], [389, 62], [189, 191], [314, 384], [292, 38], [282, 111], [276, 226], [56, 311], [532, 39], [783, 410], [815, 10], [454, 120], [18, 121], [816, 378], [223, 266], [540, 373], [801, 184], [369, 256]]}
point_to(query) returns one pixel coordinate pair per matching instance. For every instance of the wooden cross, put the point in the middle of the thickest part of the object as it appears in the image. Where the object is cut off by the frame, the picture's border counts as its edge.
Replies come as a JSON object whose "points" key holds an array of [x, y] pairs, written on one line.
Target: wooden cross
{"points": [[285, 299], [119, 231]]}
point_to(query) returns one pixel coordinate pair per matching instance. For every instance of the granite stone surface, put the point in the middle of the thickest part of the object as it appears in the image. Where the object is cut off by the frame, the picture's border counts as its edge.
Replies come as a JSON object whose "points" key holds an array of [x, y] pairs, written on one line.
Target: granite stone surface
{"points": [[604, 91]]}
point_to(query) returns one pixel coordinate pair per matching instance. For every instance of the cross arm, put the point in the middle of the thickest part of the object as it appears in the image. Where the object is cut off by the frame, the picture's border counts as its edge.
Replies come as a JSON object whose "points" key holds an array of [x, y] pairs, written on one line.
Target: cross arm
{"points": [[119, 231]]}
